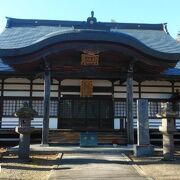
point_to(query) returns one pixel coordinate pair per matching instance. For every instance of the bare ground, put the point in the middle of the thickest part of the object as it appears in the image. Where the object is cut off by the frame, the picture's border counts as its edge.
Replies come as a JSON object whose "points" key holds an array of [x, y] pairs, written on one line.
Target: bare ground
{"points": [[158, 169], [38, 168]]}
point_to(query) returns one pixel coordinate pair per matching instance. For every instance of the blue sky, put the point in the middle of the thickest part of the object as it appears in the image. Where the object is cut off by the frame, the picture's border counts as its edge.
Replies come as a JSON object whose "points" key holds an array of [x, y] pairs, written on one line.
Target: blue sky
{"points": [[135, 11]]}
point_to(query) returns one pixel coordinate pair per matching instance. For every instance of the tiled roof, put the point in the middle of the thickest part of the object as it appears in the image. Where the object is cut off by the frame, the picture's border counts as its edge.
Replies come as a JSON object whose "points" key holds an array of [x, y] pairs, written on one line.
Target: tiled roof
{"points": [[20, 34], [155, 39]]}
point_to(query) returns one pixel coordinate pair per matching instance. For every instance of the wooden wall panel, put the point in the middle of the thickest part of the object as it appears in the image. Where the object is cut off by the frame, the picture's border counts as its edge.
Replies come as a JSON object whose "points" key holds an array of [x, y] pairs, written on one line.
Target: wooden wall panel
{"points": [[103, 83], [119, 95], [156, 95], [54, 94], [39, 81], [37, 94], [102, 94], [38, 87], [17, 80], [156, 89], [17, 93], [17, 86], [70, 82], [158, 83]]}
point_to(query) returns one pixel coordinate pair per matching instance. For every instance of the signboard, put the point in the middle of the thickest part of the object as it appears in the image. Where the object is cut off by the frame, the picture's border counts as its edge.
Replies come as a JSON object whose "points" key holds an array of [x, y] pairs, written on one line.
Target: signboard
{"points": [[86, 88], [89, 59]]}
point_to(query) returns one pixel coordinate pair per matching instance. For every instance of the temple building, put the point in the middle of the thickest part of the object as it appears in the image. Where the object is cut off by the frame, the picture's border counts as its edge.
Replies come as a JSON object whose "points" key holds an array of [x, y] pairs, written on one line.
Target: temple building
{"points": [[86, 75]]}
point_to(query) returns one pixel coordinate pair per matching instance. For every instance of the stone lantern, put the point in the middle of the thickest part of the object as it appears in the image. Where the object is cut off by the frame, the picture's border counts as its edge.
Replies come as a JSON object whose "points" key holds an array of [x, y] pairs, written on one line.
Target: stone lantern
{"points": [[25, 114], [167, 128]]}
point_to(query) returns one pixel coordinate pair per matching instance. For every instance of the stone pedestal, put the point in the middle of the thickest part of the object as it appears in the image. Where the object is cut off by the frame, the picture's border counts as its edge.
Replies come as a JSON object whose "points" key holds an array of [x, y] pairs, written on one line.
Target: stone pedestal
{"points": [[167, 129], [24, 142], [143, 147], [168, 147], [143, 150]]}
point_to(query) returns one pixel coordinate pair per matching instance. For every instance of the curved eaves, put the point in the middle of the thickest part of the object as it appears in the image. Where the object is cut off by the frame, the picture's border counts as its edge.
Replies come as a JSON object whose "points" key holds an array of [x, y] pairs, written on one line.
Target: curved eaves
{"points": [[89, 35]]}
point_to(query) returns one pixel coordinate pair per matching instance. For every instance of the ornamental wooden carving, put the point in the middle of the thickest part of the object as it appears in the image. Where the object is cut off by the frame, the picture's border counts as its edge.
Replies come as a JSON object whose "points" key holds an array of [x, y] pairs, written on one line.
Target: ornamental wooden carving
{"points": [[89, 59], [86, 88]]}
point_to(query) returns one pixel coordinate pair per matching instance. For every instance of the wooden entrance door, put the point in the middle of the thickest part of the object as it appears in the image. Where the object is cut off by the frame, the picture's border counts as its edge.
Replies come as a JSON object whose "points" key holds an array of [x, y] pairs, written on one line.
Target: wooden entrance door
{"points": [[86, 114]]}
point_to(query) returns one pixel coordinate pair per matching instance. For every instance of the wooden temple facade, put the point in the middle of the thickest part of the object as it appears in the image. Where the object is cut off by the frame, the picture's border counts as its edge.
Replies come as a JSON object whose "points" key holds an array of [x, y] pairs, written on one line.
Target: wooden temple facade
{"points": [[86, 75]]}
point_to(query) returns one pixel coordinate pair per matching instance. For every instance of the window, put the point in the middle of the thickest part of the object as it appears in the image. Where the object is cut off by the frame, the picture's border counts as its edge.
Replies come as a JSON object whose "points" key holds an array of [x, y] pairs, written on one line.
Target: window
{"points": [[12, 105], [38, 105], [120, 108], [154, 108]]}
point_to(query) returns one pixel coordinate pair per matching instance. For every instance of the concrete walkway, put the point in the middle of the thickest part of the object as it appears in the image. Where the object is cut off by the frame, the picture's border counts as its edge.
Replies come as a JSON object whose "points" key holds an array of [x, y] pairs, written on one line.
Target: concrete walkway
{"points": [[38, 149], [95, 166]]}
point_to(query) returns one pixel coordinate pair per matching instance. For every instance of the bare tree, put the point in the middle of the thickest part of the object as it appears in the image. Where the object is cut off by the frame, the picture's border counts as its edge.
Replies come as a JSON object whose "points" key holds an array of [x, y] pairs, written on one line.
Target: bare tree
{"points": [[178, 37]]}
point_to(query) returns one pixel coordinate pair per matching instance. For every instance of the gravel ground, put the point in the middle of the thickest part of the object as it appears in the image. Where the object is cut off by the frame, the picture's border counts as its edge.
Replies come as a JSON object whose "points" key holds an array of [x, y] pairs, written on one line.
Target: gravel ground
{"points": [[157, 169], [38, 168]]}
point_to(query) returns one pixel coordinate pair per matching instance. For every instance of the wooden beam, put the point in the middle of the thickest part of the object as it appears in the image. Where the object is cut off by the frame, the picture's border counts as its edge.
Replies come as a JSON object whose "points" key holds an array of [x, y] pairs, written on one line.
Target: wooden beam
{"points": [[47, 89], [129, 103]]}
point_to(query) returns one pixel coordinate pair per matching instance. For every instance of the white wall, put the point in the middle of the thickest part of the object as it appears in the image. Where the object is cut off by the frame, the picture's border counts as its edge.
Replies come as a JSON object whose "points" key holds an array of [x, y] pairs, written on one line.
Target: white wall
{"points": [[10, 122]]}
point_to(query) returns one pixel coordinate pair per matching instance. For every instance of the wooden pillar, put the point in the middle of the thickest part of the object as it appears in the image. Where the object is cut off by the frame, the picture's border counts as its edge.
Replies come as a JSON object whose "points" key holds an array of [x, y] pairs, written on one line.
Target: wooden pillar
{"points": [[129, 104], [139, 89], [31, 91], [59, 104], [113, 104], [1, 102], [47, 90]]}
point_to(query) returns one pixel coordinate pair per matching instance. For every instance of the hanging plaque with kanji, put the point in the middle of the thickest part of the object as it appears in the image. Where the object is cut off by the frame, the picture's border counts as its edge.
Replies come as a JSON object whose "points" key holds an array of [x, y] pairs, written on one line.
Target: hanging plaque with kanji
{"points": [[86, 88], [89, 59]]}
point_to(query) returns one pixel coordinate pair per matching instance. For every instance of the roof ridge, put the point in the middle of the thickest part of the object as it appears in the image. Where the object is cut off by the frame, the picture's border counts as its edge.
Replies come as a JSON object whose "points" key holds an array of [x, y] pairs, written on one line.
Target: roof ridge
{"points": [[15, 22]]}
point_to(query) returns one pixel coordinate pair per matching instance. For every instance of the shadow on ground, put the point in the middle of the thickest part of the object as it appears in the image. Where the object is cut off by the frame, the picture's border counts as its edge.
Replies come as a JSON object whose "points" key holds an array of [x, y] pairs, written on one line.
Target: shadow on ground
{"points": [[156, 159], [81, 161], [25, 168]]}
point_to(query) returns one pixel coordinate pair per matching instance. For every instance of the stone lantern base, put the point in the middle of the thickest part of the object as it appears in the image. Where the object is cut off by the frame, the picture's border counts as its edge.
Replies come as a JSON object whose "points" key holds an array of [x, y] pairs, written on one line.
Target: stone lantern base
{"points": [[168, 146], [24, 143], [143, 150]]}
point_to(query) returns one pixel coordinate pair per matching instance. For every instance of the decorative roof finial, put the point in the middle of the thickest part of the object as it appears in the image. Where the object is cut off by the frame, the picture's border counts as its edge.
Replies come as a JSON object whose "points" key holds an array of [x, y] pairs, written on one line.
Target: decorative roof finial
{"points": [[92, 14], [91, 20]]}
